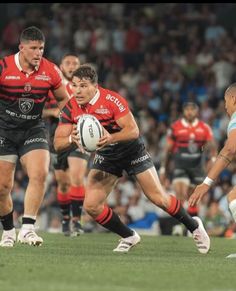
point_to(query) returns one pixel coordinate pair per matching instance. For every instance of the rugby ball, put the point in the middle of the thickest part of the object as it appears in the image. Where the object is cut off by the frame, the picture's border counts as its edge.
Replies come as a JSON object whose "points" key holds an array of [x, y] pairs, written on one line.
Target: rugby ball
{"points": [[90, 131]]}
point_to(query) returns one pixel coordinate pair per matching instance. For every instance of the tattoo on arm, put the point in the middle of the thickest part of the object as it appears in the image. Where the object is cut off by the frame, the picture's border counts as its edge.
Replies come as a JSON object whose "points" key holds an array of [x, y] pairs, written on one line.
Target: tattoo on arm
{"points": [[225, 158]]}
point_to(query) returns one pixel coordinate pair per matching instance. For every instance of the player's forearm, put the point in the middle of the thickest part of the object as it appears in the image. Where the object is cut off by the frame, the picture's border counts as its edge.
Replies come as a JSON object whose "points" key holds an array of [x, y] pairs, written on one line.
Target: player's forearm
{"points": [[126, 134], [61, 143], [223, 159]]}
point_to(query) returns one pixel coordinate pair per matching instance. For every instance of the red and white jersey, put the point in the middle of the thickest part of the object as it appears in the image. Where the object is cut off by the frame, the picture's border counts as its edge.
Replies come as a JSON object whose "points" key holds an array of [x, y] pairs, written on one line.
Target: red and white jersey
{"points": [[107, 106], [188, 139], [22, 95]]}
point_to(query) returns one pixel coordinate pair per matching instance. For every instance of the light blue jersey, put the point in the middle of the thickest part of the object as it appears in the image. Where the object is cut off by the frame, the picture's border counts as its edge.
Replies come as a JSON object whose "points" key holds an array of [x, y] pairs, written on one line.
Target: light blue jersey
{"points": [[232, 123]]}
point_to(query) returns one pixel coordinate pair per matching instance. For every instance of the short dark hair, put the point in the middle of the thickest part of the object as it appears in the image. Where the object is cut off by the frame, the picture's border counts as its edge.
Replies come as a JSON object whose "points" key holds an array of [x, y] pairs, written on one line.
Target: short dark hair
{"points": [[190, 104], [86, 72], [32, 33]]}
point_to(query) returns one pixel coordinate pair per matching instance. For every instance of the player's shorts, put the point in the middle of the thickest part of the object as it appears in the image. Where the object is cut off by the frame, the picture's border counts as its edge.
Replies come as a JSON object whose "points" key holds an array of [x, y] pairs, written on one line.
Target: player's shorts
{"points": [[138, 161], [61, 159], [194, 175], [15, 143]]}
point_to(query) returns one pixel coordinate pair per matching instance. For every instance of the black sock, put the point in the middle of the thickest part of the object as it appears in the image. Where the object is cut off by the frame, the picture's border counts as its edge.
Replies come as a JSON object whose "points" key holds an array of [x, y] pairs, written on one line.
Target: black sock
{"points": [[28, 220], [7, 221], [177, 211], [65, 209], [76, 206], [111, 221]]}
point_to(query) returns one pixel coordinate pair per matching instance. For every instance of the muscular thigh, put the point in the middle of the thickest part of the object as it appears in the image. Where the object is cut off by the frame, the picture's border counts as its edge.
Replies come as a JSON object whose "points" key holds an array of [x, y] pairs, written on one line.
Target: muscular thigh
{"points": [[36, 162]]}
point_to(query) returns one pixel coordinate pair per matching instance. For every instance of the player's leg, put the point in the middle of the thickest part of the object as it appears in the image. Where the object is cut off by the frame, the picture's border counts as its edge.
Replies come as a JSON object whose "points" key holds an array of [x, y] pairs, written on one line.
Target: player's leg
{"points": [[63, 198], [35, 159], [231, 197], [77, 172], [36, 165], [149, 181], [180, 185], [99, 185], [7, 169]]}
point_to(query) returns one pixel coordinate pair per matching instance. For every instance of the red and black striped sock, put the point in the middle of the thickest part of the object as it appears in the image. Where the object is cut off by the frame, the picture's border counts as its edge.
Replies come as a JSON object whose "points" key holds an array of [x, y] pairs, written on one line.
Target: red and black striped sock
{"points": [[177, 211], [111, 221], [64, 204], [193, 210]]}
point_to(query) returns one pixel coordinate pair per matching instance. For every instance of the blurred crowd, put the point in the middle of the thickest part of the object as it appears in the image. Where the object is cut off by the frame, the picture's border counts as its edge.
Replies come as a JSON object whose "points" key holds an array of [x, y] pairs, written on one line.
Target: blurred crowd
{"points": [[155, 55]]}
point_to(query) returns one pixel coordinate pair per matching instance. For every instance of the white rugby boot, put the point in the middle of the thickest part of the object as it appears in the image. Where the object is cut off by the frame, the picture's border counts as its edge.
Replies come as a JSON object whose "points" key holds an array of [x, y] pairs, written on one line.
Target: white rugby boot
{"points": [[125, 244], [201, 237], [8, 238], [29, 236]]}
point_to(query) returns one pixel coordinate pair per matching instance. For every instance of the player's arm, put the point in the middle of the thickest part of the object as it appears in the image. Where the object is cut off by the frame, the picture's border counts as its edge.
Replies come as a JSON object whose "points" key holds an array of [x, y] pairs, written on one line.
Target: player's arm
{"points": [[51, 112], [166, 155], [129, 131], [61, 95], [223, 159], [65, 135]]}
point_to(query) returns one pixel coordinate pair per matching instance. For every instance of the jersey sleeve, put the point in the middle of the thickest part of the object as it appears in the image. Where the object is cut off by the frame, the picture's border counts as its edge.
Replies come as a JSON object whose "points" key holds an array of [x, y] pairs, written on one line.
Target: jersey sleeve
{"points": [[56, 77], [118, 104], [65, 116], [209, 133], [231, 125]]}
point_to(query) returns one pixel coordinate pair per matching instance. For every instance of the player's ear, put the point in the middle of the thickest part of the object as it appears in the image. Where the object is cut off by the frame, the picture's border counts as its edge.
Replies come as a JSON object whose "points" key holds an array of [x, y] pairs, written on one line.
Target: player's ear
{"points": [[20, 46]]}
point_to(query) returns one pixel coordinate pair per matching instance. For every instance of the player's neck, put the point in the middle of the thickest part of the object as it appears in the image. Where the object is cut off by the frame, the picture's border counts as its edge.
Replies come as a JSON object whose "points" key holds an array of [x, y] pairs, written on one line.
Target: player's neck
{"points": [[26, 67]]}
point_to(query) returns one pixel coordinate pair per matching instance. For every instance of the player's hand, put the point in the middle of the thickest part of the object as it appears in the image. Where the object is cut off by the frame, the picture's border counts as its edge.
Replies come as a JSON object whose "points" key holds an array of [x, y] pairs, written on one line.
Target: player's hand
{"points": [[197, 194], [75, 138], [106, 139]]}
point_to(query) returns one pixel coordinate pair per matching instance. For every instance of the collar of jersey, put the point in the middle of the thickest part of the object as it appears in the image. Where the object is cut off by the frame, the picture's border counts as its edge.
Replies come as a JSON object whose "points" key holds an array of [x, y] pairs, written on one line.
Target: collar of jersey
{"points": [[17, 62], [95, 98], [233, 115]]}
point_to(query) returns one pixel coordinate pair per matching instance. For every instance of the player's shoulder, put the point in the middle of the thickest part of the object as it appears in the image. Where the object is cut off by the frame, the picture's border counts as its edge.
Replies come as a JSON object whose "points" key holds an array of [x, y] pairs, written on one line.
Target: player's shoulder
{"points": [[108, 93], [204, 124], [49, 65]]}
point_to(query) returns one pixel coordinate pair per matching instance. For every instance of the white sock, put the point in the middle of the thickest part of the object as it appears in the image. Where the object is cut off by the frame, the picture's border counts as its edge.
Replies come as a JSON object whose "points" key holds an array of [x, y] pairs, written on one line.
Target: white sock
{"points": [[28, 226], [232, 207]]}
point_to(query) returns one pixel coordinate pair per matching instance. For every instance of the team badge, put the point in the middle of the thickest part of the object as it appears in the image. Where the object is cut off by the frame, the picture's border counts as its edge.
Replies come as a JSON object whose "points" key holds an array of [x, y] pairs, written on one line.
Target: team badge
{"points": [[26, 105]]}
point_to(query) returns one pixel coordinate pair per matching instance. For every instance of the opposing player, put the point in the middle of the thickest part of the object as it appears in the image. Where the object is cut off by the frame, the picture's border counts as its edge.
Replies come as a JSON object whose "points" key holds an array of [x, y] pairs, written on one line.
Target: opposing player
{"points": [[121, 148], [224, 158], [25, 80], [70, 164], [186, 139]]}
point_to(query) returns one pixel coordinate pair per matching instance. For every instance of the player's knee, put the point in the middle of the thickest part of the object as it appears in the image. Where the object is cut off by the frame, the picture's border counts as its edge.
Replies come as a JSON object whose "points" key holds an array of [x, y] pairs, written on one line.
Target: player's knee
{"points": [[5, 188], [39, 177], [91, 208]]}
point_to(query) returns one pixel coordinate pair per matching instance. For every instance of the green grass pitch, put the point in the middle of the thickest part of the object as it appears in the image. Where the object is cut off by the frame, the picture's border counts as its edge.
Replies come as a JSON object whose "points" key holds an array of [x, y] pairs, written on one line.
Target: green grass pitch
{"points": [[87, 263]]}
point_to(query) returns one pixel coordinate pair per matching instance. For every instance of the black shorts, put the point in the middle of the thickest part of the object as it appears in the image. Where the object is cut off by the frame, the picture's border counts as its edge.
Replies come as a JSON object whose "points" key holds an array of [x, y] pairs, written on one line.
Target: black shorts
{"points": [[61, 159], [195, 175], [18, 142], [136, 162]]}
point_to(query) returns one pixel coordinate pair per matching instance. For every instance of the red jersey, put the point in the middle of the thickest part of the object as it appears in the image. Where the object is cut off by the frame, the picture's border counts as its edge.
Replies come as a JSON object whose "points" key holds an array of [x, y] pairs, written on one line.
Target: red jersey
{"points": [[107, 106], [22, 95], [187, 141]]}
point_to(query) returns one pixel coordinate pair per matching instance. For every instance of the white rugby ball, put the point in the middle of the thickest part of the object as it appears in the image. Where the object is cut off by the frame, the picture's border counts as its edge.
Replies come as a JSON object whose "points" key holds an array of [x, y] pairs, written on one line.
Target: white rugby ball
{"points": [[90, 131]]}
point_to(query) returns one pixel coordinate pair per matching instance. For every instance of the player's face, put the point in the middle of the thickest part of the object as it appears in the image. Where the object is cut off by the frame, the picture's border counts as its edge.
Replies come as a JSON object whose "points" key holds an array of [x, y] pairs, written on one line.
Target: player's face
{"points": [[83, 90], [69, 65], [31, 52], [190, 113]]}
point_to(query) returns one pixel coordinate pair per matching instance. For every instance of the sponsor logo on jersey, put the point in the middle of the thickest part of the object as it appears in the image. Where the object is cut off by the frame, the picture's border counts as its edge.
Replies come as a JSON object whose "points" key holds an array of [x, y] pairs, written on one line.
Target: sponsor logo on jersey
{"points": [[35, 140], [102, 111], [42, 77], [26, 105], [116, 101], [22, 116], [12, 78], [98, 159], [139, 160]]}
